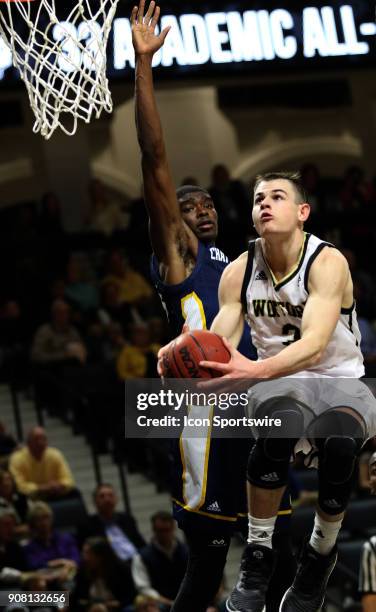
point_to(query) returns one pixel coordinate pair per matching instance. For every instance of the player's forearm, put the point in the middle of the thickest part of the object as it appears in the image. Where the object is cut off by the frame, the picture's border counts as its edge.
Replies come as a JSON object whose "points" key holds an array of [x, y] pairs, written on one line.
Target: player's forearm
{"points": [[229, 323], [299, 356], [148, 123]]}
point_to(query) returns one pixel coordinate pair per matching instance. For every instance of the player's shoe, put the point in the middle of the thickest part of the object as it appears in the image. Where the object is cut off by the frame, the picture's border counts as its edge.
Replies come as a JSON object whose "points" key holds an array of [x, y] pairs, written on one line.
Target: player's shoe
{"points": [[307, 592], [256, 569]]}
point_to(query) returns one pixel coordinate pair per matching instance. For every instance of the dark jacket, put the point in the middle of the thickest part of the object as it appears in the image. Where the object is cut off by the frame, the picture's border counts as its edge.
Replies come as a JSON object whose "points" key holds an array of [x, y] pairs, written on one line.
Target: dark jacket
{"points": [[165, 573], [94, 526]]}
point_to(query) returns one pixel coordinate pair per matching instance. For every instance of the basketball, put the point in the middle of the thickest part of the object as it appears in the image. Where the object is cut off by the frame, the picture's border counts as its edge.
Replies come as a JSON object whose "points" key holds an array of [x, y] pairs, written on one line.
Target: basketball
{"points": [[186, 352]]}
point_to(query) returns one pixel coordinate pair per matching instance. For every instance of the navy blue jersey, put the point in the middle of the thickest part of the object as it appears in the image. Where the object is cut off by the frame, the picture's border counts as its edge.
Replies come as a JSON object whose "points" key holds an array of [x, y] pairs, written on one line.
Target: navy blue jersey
{"points": [[195, 300], [209, 474]]}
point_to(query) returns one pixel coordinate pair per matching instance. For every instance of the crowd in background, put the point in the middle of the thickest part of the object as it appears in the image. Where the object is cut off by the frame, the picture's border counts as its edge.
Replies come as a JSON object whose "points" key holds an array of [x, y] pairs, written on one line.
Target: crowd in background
{"points": [[78, 316]]}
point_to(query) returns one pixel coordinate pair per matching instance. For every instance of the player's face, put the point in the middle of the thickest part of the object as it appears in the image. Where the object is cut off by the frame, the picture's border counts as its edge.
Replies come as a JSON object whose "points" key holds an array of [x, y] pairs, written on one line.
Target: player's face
{"points": [[197, 210], [275, 208]]}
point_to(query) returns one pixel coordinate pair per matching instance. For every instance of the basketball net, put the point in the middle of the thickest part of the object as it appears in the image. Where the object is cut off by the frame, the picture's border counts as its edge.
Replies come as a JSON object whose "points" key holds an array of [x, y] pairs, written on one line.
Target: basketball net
{"points": [[61, 61]]}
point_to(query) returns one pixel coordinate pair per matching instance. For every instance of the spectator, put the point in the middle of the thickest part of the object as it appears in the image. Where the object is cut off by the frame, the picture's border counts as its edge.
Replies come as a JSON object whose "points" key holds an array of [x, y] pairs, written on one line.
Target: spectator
{"points": [[102, 578], [120, 529], [78, 291], [58, 341], [160, 566], [133, 288], [58, 355], [12, 558], [139, 358], [49, 548], [367, 576], [112, 309], [41, 470], [7, 444], [233, 205], [9, 496]]}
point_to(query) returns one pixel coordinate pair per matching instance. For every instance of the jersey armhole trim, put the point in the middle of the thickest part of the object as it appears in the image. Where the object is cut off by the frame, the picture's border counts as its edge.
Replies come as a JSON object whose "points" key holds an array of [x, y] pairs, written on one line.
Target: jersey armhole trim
{"points": [[176, 288], [349, 310], [312, 259], [247, 274]]}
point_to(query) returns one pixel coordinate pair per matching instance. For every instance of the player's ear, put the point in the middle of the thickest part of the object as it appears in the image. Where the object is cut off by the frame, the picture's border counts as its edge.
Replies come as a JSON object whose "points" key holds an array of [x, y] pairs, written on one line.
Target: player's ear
{"points": [[304, 211]]}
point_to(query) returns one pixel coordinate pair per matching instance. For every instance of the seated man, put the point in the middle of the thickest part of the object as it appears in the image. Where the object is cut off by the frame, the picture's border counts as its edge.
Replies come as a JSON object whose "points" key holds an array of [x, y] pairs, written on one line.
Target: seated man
{"points": [[120, 529], [41, 471], [160, 566]]}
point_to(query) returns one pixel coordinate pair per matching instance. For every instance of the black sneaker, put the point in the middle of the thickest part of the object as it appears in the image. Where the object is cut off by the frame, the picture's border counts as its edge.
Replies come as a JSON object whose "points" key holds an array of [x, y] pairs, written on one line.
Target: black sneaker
{"points": [[307, 592], [256, 569]]}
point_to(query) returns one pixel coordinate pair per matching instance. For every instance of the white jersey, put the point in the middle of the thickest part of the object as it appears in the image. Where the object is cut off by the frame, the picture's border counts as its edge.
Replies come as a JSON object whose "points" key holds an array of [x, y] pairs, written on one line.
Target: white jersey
{"points": [[274, 310]]}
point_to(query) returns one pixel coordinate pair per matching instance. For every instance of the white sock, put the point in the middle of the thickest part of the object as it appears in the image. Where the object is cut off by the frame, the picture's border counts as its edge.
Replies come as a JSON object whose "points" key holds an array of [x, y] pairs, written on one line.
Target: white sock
{"points": [[324, 535], [260, 531]]}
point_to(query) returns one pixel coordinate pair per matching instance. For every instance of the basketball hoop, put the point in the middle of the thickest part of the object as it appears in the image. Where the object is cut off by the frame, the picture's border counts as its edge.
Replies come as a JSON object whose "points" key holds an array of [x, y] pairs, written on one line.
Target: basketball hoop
{"points": [[61, 57]]}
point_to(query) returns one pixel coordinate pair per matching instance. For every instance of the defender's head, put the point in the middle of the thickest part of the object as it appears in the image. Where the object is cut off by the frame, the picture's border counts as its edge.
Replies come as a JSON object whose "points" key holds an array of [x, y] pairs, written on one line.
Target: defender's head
{"points": [[198, 211], [279, 203]]}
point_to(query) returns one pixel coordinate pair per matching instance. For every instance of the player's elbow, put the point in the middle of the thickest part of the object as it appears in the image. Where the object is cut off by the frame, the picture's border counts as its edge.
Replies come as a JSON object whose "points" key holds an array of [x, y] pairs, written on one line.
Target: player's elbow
{"points": [[317, 346], [153, 151]]}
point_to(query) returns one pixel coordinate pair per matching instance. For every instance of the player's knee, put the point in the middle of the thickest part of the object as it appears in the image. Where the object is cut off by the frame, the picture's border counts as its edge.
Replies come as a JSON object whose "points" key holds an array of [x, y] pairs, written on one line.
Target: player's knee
{"points": [[287, 426], [264, 472], [340, 439], [269, 459], [338, 458]]}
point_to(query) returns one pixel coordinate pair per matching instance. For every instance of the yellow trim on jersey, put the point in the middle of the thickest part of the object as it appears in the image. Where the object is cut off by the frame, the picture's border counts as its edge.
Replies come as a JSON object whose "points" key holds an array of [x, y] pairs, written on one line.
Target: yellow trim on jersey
{"points": [[221, 517], [293, 270], [200, 306], [233, 519], [207, 451], [183, 477]]}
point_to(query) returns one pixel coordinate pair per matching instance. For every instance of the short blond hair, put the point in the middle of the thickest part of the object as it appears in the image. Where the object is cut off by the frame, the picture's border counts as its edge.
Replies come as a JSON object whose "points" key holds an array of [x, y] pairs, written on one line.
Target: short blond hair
{"points": [[38, 509]]}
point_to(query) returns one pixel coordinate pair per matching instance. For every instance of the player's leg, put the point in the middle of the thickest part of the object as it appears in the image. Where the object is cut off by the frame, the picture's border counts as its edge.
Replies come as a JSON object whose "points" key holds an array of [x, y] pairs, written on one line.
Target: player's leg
{"points": [[285, 566], [207, 558], [339, 435], [267, 478]]}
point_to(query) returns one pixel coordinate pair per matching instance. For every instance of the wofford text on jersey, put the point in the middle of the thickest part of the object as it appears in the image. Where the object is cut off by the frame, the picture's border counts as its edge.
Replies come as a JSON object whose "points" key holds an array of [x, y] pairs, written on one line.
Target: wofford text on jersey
{"points": [[271, 308]]}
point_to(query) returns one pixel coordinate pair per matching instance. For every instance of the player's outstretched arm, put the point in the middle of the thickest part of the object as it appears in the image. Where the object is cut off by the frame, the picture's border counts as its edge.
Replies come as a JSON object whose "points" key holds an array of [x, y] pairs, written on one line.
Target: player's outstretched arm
{"points": [[166, 226], [329, 276]]}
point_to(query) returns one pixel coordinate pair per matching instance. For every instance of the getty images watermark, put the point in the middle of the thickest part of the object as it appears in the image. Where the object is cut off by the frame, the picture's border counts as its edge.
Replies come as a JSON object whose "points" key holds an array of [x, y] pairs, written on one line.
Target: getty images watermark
{"points": [[166, 410], [240, 409]]}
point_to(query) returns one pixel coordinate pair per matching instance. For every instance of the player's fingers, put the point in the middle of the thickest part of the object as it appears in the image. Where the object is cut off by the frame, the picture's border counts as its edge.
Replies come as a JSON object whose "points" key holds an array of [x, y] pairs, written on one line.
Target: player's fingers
{"points": [[154, 21], [163, 350], [185, 328], [164, 33], [149, 14], [141, 9], [215, 365], [134, 15]]}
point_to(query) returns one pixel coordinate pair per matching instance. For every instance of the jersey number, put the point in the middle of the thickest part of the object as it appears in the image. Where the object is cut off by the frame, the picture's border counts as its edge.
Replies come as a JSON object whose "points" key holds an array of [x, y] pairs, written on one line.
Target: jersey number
{"points": [[292, 331]]}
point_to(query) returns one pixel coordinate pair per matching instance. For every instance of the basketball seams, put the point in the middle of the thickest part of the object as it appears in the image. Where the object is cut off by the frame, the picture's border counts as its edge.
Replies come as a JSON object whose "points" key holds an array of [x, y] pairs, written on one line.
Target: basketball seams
{"points": [[172, 350], [203, 354]]}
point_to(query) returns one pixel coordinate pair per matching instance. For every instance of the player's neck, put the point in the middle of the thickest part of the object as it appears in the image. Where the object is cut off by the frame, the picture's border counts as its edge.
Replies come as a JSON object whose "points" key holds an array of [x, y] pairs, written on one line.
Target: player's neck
{"points": [[282, 254]]}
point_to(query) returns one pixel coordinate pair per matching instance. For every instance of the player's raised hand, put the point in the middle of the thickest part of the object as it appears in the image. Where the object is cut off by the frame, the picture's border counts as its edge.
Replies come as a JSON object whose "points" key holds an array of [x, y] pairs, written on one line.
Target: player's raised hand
{"points": [[145, 40]]}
